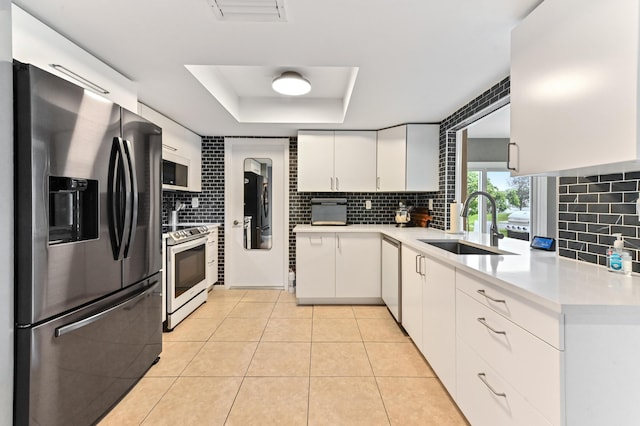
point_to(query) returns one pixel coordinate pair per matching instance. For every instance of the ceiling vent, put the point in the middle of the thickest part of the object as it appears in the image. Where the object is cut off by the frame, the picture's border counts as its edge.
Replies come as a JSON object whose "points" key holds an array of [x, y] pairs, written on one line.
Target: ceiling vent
{"points": [[249, 10]]}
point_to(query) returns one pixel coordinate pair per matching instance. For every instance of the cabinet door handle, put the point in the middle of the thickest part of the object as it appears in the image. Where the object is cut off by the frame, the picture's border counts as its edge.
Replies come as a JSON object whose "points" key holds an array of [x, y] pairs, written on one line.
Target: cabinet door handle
{"points": [[378, 182], [338, 239], [483, 293], [483, 379], [483, 321], [417, 266], [315, 241], [331, 183], [423, 260], [337, 184], [509, 156]]}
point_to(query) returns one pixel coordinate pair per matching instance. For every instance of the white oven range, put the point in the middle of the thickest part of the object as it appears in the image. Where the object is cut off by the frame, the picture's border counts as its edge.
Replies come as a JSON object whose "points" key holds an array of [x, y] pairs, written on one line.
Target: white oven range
{"points": [[185, 271]]}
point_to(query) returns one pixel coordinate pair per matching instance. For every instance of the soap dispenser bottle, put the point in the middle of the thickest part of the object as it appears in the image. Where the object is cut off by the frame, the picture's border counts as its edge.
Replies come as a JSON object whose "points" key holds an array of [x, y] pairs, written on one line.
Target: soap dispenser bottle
{"points": [[614, 256]]}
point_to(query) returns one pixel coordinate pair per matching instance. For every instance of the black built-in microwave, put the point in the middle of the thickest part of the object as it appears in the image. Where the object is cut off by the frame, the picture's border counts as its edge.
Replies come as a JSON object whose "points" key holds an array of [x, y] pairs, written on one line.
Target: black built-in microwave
{"points": [[175, 175]]}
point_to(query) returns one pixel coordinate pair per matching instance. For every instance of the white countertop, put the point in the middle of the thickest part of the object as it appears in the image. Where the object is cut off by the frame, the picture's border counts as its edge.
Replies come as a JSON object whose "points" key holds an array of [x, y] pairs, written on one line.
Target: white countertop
{"points": [[560, 284]]}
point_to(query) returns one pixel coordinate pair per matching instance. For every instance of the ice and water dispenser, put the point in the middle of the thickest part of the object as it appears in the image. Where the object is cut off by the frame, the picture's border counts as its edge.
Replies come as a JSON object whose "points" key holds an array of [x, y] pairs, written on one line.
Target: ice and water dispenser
{"points": [[73, 209]]}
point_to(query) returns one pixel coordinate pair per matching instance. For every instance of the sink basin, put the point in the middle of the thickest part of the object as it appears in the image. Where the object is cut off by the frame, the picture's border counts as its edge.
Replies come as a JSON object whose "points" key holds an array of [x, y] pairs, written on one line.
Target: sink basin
{"points": [[462, 247]]}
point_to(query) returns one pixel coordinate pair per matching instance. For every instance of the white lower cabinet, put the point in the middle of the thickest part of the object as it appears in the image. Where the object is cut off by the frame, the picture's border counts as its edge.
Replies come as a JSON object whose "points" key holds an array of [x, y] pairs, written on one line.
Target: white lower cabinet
{"points": [[358, 265], [527, 363], [505, 358], [212, 258], [498, 371], [315, 265], [487, 399], [439, 321], [428, 311], [338, 267]]}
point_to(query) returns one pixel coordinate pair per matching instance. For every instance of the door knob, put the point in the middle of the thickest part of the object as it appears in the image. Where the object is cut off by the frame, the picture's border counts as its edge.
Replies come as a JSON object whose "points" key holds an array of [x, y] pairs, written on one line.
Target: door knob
{"points": [[236, 222]]}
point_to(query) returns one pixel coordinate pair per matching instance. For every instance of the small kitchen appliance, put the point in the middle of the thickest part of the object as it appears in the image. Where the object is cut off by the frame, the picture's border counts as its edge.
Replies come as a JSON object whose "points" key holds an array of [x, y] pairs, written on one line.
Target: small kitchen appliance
{"points": [[403, 215], [328, 211]]}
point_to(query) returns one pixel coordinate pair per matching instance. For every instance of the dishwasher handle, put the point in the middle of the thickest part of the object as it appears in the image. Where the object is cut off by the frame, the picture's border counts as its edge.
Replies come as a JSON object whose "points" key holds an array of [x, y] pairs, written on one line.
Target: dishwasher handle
{"points": [[391, 241]]}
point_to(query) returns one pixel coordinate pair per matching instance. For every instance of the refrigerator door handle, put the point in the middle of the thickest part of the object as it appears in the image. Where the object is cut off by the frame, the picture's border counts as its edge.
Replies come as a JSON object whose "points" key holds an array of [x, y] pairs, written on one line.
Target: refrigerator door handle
{"points": [[114, 198], [61, 331], [132, 196], [127, 211]]}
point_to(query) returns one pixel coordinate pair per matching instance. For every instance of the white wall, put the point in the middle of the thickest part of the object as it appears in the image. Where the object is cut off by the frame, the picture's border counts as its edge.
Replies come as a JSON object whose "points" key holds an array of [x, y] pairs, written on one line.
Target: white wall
{"points": [[6, 217]]}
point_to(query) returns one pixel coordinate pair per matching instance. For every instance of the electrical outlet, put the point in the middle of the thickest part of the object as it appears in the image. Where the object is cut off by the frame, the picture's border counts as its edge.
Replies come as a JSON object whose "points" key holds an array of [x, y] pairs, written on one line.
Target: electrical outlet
{"points": [[195, 203], [367, 204], [430, 203]]}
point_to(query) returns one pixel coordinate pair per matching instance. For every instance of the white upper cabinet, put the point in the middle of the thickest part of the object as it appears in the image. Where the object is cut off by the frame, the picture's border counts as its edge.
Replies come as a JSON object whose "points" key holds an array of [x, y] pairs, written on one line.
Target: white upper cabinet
{"points": [[574, 87], [355, 161], [340, 161], [37, 44], [179, 145], [193, 146], [315, 161], [408, 158], [392, 158]]}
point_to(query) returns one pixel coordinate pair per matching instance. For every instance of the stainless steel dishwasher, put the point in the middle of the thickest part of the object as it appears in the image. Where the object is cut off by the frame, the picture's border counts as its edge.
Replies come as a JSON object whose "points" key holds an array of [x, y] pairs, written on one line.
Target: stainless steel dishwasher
{"points": [[391, 277]]}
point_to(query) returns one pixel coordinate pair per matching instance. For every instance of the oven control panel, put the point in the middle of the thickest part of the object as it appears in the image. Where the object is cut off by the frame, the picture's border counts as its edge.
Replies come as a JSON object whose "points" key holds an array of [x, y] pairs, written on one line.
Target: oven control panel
{"points": [[177, 235]]}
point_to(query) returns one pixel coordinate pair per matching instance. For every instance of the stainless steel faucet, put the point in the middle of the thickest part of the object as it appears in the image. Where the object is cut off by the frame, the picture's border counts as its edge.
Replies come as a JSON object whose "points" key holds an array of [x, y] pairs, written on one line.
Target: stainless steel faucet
{"points": [[495, 235]]}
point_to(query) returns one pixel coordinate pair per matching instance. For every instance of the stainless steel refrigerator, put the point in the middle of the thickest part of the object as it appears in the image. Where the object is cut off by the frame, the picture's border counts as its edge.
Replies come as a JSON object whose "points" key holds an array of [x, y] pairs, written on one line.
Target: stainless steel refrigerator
{"points": [[87, 251]]}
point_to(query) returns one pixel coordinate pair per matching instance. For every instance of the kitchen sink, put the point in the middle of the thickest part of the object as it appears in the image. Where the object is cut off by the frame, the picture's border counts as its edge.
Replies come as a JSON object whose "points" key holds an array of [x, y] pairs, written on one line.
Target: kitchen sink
{"points": [[463, 247]]}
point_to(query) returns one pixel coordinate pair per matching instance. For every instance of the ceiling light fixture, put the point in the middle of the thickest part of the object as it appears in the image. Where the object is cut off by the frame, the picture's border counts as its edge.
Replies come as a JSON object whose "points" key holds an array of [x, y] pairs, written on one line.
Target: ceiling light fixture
{"points": [[291, 83]]}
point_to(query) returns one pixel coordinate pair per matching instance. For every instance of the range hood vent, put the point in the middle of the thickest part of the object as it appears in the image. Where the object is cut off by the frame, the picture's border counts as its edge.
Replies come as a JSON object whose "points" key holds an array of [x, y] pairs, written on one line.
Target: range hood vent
{"points": [[249, 10]]}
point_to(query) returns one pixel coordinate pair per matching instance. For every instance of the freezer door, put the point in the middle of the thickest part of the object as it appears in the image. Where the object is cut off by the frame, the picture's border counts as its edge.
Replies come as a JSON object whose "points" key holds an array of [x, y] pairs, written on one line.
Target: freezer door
{"points": [[65, 132], [71, 370], [143, 250]]}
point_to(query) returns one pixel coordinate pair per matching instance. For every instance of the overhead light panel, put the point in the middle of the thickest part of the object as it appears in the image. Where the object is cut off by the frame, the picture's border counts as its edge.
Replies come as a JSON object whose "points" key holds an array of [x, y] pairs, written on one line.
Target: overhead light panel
{"points": [[80, 79], [291, 83]]}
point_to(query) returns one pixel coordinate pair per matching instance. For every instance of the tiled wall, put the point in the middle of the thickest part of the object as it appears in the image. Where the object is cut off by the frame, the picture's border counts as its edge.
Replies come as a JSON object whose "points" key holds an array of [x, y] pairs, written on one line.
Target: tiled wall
{"points": [[448, 151], [211, 198], [591, 209]]}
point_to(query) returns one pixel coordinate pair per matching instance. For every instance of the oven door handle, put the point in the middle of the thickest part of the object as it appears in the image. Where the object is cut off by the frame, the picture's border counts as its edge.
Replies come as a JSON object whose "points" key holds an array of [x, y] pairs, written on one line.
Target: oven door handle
{"points": [[187, 245]]}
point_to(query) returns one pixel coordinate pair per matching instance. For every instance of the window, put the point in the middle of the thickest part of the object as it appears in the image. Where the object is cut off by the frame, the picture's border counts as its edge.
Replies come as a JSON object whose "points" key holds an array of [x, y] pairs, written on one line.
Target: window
{"points": [[512, 195], [526, 205]]}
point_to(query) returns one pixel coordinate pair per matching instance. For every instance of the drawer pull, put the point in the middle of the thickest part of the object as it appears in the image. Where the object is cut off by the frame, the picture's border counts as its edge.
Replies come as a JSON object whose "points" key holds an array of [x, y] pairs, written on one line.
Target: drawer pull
{"points": [[483, 321], [482, 292], [483, 379]]}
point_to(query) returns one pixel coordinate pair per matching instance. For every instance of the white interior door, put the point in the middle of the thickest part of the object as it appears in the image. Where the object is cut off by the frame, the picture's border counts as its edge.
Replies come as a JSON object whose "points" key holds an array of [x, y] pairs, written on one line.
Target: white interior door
{"points": [[256, 260]]}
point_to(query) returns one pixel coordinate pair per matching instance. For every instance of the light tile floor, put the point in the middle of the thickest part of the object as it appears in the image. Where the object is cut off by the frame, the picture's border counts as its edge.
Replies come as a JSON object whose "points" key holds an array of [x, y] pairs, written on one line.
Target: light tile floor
{"points": [[253, 357]]}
